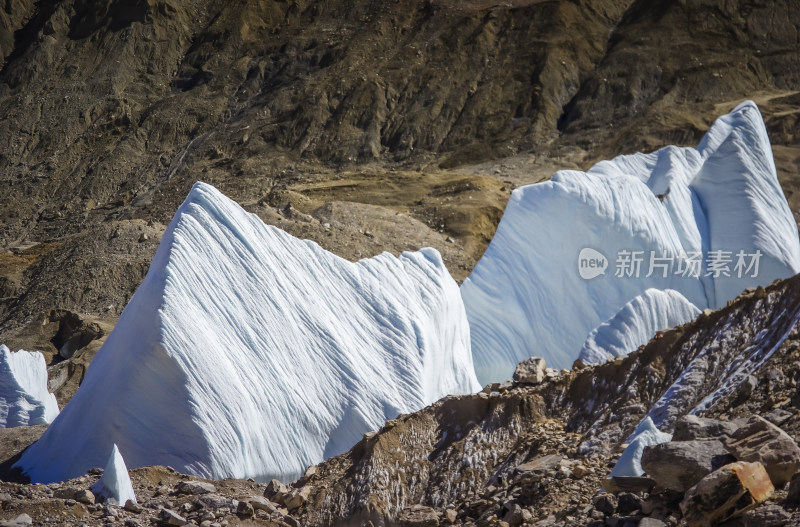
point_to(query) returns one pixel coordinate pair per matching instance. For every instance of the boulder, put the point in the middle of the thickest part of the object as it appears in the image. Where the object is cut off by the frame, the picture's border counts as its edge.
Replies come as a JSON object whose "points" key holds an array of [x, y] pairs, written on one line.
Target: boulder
{"points": [[678, 465], [196, 488], [530, 371], [758, 440], [261, 503], [726, 493], [628, 503], [606, 503], [297, 497], [764, 516], [23, 520], [793, 493], [627, 484], [67, 493], [85, 496], [245, 510], [276, 491], [651, 522], [543, 463], [170, 517], [692, 427], [418, 516]]}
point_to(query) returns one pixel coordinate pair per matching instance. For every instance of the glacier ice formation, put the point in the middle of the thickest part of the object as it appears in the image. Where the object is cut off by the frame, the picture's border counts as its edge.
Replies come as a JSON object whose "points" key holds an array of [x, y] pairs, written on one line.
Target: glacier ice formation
{"points": [[636, 323], [716, 200], [115, 483], [24, 399], [630, 461], [247, 352]]}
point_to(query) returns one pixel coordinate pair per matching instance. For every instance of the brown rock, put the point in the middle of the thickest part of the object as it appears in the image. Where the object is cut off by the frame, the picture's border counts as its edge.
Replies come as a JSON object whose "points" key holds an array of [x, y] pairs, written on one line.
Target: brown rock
{"points": [[276, 491], [678, 465], [758, 440], [530, 371], [726, 493], [418, 516], [580, 471], [196, 487], [245, 510], [65, 494], [85, 496], [261, 503], [450, 516], [170, 517], [765, 516], [297, 497]]}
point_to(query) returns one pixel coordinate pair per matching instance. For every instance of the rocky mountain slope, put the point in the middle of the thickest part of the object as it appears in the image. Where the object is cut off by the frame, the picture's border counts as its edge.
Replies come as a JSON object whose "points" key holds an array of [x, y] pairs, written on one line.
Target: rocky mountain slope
{"points": [[363, 126], [373, 126]]}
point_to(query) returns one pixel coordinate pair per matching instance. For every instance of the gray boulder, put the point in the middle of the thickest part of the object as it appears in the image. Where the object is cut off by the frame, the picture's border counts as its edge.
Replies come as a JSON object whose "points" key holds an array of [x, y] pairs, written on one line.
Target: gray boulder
{"points": [[691, 428], [678, 465]]}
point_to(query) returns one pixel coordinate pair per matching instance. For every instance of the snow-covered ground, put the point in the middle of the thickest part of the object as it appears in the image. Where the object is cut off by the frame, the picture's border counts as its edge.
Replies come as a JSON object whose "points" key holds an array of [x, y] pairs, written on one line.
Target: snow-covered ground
{"points": [[646, 220], [249, 353], [24, 399]]}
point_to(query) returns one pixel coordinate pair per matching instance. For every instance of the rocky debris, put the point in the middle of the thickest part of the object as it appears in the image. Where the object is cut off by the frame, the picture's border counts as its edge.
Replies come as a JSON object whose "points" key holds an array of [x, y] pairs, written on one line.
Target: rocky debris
{"points": [[530, 371], [196, 488], [691, 427], [678, 465], [758, 440], [157, 491], [23, 520], [726, 493]]}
